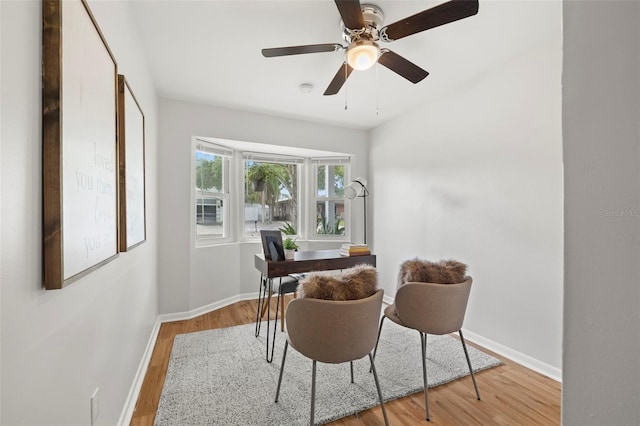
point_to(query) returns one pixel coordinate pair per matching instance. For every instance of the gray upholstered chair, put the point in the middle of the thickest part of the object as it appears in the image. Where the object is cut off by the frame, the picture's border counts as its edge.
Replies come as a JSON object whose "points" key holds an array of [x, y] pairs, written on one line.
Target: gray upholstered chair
{"points": [[333, 332], [431, 309]]}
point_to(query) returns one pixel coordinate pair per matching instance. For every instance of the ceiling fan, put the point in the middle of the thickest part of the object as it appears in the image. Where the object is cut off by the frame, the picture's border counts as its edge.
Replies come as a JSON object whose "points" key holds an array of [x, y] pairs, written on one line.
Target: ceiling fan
{"points": [[362, 30]]}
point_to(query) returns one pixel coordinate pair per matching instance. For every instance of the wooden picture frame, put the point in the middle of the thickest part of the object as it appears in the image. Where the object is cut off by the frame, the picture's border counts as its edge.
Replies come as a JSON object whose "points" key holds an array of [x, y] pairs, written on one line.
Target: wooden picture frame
{"points": [[272, 245], [79, 144], [131, 166]]}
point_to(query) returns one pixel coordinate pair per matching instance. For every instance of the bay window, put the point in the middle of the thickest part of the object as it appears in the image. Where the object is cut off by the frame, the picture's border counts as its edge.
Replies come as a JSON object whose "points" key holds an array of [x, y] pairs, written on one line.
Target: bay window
{"points": [[241, 188]]}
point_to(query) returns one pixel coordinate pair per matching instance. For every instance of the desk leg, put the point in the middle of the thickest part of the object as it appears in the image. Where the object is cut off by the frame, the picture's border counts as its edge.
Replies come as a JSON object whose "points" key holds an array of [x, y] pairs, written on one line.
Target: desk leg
{"points": [[270, 289], [261, 297], [267, 287], [275, 325]]}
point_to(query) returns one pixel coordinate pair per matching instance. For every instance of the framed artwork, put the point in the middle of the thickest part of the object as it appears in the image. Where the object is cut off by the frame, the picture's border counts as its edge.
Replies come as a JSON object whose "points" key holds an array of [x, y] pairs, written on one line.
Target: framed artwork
{"points": [[79, 144], [131, 167], [272, 245]]}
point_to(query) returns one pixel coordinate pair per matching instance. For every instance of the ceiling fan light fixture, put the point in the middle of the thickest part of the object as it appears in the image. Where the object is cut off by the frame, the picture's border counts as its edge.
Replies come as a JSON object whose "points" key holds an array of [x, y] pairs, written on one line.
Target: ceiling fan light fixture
{"points": [[362, 54]]}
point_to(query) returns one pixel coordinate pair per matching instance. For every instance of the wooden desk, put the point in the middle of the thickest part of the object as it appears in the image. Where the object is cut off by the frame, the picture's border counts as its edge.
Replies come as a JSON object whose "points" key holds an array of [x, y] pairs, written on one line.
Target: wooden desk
{"points": [[304, 261], [309, 261]]}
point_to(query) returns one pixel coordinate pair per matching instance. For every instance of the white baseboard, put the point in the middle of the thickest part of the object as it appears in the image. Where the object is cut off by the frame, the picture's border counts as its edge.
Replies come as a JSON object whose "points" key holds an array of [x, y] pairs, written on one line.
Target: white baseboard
{"points": [[134, 391], [180, 316], [515, 356]]}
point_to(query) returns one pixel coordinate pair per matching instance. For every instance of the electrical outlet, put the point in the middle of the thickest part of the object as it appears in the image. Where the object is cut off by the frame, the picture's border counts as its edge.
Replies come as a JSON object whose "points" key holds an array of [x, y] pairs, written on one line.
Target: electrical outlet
{"points": [[95, 406]]}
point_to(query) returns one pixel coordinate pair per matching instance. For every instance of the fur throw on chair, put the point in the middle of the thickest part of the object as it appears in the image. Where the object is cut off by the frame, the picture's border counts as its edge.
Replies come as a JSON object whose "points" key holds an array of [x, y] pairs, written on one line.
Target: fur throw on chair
{"points": [[354, 283], [424, 271]]}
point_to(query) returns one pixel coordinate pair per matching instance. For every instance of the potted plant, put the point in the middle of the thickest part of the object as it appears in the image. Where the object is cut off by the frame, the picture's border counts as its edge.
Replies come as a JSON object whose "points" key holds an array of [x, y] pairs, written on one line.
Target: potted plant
{"points": [[290, 247]]}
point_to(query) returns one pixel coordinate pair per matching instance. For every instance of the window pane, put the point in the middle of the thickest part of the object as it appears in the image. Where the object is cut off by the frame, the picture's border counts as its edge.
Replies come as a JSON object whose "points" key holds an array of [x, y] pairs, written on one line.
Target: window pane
{"points": [[209, 215], [209, 195], [270, 196], [208, 171], [330, 181], [330, 217]]}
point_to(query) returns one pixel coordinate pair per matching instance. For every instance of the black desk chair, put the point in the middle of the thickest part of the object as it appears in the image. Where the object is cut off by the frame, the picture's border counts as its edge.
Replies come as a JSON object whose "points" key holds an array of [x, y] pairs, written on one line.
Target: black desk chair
{"points": [[281, 286], [272, 247]]}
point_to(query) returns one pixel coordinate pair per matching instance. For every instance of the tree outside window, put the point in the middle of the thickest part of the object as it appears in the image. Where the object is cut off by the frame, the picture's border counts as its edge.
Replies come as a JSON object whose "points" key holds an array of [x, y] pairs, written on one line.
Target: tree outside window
{"points": [[271, 196]]}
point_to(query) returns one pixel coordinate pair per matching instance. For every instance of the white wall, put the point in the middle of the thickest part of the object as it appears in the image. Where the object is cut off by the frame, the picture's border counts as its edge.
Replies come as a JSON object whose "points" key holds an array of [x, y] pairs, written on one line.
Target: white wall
{"points": [[601, 134], [58, 346], [477, 177], [191, 278]]}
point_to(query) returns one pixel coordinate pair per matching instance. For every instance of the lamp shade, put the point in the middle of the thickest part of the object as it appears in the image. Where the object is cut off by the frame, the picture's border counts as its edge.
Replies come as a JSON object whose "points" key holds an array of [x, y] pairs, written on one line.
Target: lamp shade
{"points": [[362, 54], [355, 188]]}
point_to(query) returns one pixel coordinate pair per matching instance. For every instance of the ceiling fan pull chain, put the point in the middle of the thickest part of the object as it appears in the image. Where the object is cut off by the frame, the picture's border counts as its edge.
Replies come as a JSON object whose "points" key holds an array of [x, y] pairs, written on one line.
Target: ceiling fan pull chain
{"points": [[377, 87], [346, 83]]}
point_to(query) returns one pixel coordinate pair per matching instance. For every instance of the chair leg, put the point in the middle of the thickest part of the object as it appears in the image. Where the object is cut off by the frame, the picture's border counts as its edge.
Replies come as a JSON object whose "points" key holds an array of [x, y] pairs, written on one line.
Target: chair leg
{"points": [[265, 303], [313, 392], [423, 344], [351, 364], [375, 376], [281, 312], [284, 356], [466, 354], [378, 338]]}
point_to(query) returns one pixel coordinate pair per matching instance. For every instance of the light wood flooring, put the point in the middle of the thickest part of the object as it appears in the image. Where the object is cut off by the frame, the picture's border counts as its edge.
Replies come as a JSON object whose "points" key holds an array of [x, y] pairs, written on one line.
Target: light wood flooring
{"points": [[511, 394]]}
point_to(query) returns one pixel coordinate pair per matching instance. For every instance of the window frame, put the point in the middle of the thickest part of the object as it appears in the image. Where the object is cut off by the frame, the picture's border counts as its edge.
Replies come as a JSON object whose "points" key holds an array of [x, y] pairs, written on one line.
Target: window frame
{"points": [[314, 198], [234, 154], [265, 157], [227, 154]]}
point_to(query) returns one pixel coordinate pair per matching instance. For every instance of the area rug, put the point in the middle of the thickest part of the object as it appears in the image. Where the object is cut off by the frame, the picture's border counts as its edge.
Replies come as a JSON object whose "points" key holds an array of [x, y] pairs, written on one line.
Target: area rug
{"points": [[221, 377]]}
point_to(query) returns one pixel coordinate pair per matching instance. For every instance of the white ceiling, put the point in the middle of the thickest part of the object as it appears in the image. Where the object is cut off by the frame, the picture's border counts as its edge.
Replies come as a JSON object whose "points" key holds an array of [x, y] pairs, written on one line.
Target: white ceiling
{"points": [[208, 51]]}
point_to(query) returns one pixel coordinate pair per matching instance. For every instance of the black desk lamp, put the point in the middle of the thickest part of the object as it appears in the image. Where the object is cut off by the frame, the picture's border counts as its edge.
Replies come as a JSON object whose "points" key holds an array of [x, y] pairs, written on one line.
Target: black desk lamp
{"points": [[358, 188]]}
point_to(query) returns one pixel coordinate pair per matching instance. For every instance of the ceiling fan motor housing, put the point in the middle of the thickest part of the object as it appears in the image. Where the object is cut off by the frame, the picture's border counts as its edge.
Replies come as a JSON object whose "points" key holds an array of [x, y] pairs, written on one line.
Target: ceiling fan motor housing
{"points": [[373, 19]]}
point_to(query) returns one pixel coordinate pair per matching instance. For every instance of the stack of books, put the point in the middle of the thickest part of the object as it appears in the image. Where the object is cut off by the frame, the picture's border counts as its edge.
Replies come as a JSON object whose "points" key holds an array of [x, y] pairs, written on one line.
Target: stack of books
{"points": [[354, 250]]}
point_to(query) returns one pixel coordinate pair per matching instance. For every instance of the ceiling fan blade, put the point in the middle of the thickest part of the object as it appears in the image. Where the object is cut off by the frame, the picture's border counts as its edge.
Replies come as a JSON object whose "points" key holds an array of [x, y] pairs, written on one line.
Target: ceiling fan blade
{"points": [[351, 13], [442, 14], [401, 66], [338, 80], [298, 50]]}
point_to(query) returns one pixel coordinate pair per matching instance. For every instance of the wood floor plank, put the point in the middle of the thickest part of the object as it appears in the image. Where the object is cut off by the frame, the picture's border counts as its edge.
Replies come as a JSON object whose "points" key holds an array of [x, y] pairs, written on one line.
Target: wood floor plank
{"points": [[511, 394]]}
